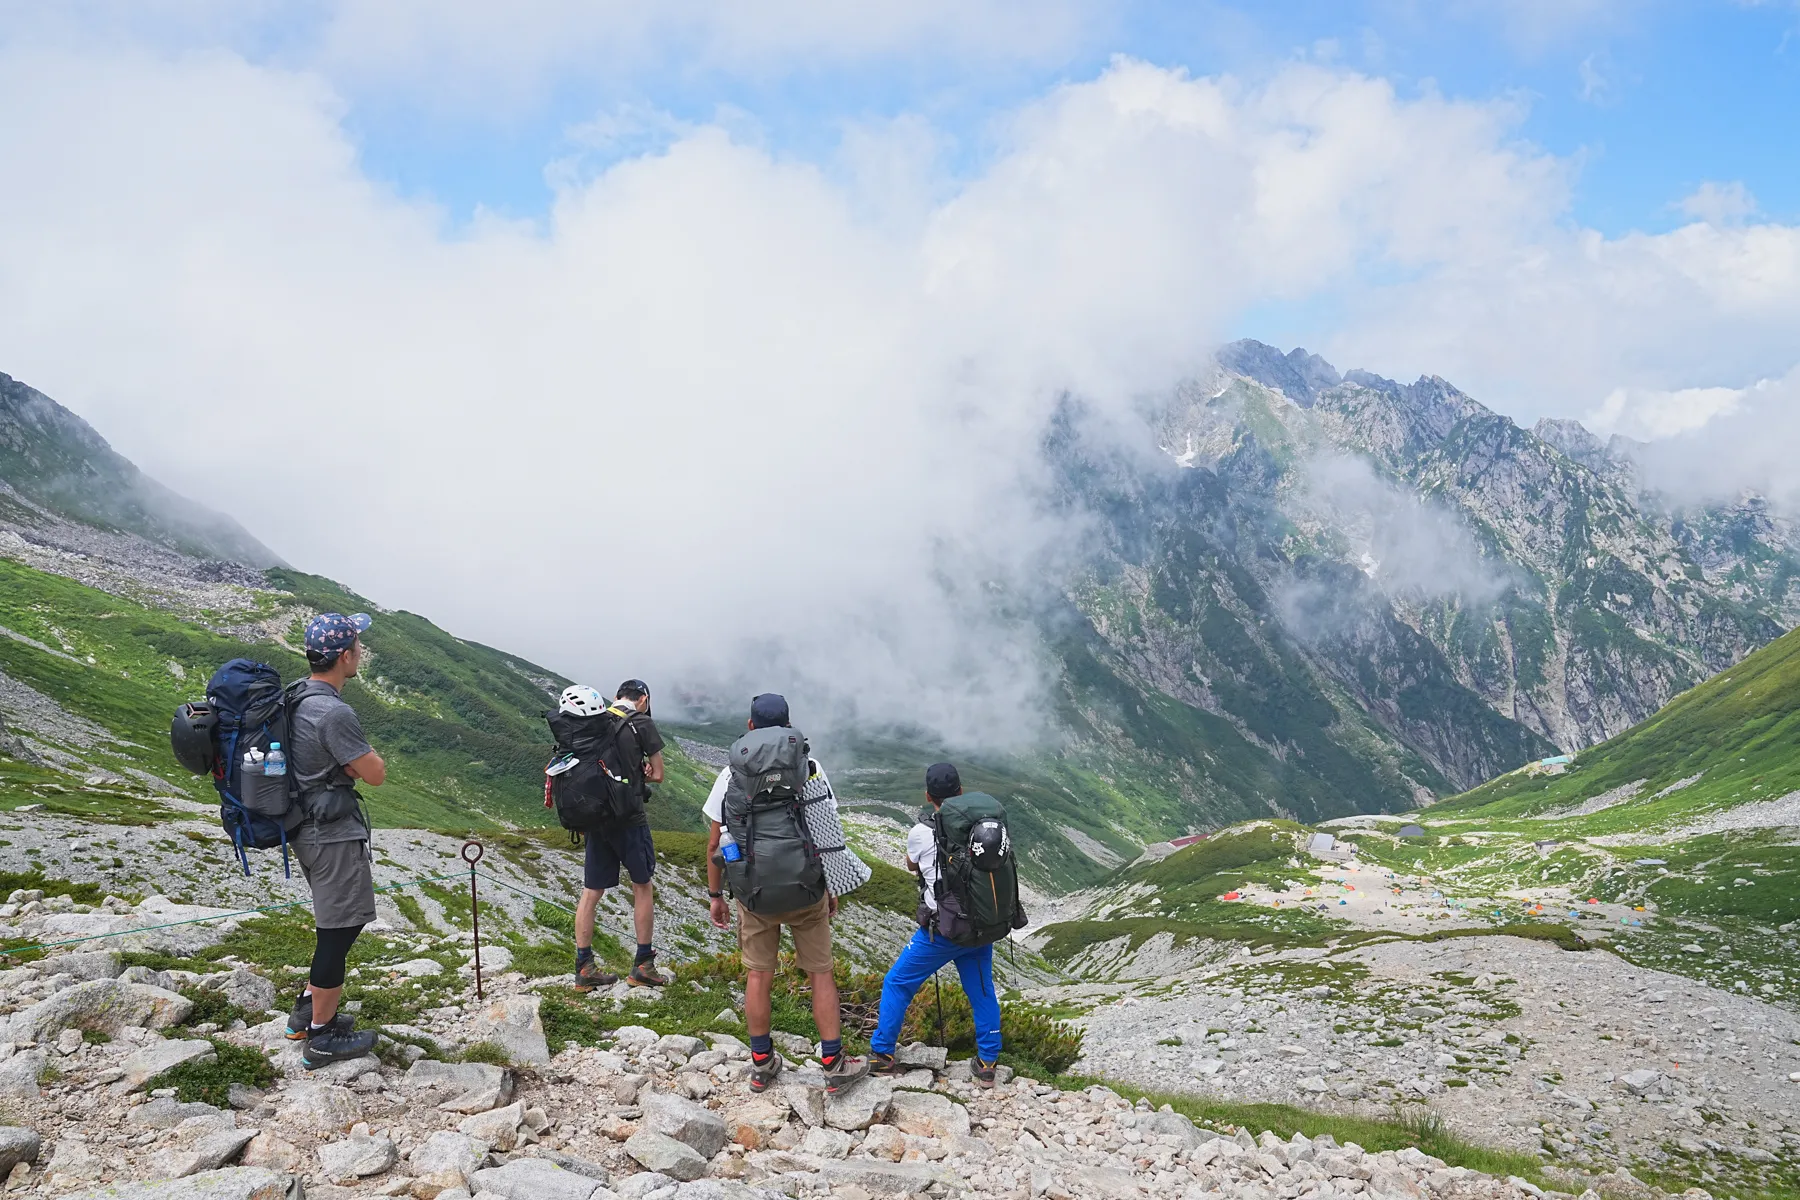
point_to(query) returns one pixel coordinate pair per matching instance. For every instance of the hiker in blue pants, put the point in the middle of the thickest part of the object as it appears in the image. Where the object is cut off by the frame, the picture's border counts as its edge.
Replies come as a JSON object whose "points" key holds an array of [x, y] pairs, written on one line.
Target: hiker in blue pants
{"points": [[929, 950]]}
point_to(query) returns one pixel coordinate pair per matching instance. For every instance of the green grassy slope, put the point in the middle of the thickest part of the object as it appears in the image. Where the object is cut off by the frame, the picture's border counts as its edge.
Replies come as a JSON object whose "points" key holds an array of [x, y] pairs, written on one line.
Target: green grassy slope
{"points": [[460, 724], [1739, 732]]}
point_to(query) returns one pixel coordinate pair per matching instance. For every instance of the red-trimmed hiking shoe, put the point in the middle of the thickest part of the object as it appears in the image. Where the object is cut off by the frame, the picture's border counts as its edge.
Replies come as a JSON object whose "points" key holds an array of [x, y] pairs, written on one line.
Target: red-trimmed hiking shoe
{"points": [[644, 974], [843, 1072], [590, 975], [763, 1070]]}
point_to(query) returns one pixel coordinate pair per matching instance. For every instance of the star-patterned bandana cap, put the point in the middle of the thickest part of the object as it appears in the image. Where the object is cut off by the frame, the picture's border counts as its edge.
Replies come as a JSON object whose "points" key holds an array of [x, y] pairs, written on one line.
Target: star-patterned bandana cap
{"points": [[333, 633]]}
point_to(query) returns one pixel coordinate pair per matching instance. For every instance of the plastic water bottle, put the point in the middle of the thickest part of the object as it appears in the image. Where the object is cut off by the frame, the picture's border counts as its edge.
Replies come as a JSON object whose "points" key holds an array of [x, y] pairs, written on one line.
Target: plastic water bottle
{"points": [[275, 762], [729, 850]]}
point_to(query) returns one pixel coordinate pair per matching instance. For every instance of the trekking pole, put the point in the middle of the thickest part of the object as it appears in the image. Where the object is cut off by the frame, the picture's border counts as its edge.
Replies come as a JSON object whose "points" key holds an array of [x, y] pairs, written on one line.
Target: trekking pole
{"points": [[474, 907], [937, 988]]}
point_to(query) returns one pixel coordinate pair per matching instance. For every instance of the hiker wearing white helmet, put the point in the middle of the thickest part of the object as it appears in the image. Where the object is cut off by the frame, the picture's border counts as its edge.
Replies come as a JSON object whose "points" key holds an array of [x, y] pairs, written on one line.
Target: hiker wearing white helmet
{"points": [[614, 752]]}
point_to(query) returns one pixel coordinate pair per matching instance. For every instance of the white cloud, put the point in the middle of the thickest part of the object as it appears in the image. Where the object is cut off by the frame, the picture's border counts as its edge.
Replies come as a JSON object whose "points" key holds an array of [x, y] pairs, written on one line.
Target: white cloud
{"points": [[1646, 414], [1718, 203], [723, 408]]}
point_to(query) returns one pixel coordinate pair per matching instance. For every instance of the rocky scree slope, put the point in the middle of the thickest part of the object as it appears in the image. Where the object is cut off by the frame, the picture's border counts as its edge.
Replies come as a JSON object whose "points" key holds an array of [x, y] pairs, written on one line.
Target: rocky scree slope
{"points": [[106, 1103]]}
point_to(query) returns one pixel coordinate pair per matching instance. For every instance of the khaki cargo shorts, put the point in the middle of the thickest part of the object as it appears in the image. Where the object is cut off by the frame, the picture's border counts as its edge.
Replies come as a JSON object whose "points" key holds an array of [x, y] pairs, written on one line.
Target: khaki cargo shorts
{"points": [[759, 937]]}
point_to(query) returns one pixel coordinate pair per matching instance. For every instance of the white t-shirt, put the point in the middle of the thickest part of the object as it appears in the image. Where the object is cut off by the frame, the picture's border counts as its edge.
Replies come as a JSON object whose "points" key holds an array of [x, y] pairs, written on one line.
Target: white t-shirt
{"points": [[921, 847]]}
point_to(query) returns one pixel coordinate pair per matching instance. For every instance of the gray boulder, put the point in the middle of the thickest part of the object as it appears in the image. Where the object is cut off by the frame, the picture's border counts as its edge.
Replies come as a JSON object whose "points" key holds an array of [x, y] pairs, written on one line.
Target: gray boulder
{"points": [[660, 1152], [356, 1156], [700, 1128], [166, 1112], [103, 1005], [918, 1054], [448, 1150], [862, 1106], [18, 1145], [208, 1152], [244, 988], [146, 1064], [534, 1179], [472, 1087], [234, 1183], [19, 1074], [320, 1108], [514, 1025], [929, 1114], [85, 964], [889, 1179]]}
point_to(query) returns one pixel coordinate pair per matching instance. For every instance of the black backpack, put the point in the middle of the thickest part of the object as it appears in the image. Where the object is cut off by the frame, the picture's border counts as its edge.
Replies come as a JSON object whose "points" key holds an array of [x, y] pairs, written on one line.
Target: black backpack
{"points": [[977, 888], [780, 870], [596, 775]]}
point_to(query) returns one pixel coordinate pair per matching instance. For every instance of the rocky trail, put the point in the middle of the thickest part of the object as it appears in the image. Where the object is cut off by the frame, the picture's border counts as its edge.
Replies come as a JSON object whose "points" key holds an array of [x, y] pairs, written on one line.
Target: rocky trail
{"points": [[644, 1117]]}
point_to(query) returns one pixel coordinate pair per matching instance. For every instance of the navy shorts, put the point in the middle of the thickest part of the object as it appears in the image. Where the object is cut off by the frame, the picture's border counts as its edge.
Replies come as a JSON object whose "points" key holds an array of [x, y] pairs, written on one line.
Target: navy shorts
{"points": [[608, 848]]}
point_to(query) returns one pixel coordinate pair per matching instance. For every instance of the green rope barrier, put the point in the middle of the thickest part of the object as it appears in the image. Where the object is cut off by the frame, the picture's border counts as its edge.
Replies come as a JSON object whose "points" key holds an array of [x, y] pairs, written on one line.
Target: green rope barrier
{"points": [[248, 912], [511, 887]]}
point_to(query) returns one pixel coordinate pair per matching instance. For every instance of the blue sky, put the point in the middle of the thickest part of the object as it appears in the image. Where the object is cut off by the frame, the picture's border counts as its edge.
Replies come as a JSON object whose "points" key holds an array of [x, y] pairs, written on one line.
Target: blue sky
{"points": [[1650, 99]]}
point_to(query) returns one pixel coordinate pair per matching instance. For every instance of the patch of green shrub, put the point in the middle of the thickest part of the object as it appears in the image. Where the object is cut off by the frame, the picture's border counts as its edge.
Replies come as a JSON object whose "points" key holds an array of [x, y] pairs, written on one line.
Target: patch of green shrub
{"points": [[210, 1081], [486, 1052], [212, 1006], [1031, 1039]]}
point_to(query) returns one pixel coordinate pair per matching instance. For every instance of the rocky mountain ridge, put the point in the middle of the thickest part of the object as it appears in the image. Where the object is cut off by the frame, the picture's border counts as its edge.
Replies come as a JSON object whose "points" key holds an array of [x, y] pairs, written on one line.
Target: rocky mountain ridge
{"points": [[1404, 533]]}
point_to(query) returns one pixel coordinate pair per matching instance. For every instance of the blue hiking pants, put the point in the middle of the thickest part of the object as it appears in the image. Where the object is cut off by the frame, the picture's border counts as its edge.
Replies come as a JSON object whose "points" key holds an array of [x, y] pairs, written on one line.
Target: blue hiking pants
{"points": [[918, 962]]}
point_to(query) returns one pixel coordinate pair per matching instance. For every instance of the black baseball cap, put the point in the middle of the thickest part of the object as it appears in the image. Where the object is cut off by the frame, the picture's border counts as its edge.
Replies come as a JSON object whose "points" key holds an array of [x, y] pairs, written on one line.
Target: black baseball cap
{"points": [[631, 689], [942, 781], [768, 710]]}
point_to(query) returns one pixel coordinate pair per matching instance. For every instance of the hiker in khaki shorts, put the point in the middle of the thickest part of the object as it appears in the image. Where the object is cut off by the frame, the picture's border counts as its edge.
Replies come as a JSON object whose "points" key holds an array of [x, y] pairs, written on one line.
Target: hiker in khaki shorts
{"points": [[758, 843]]}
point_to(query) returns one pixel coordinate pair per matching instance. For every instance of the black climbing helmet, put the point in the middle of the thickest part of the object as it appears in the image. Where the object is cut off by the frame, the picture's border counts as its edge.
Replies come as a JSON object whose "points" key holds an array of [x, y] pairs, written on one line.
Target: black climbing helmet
{"points": [[191, 737], [989, 844]]}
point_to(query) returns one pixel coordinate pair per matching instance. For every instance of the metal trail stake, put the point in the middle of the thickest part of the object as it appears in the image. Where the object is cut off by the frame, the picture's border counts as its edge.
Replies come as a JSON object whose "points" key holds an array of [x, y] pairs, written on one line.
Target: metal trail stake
{"points": [[474, 906]]}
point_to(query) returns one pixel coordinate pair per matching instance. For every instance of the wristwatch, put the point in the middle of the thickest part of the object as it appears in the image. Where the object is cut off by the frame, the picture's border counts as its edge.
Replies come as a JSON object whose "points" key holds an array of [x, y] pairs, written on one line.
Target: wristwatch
{"points": [[715, 895]]}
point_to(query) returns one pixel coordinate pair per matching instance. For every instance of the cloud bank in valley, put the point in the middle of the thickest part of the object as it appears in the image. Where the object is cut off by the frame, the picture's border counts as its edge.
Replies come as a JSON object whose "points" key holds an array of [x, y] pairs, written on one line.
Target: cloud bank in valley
{"points": [[730, 417]]}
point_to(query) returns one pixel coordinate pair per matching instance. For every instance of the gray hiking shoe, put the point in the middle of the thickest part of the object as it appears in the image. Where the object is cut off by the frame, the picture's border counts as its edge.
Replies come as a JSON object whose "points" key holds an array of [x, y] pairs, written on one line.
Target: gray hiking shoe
{"points": [[335, 1044], [982, 1072], [843, 1071], [763, 1071]]}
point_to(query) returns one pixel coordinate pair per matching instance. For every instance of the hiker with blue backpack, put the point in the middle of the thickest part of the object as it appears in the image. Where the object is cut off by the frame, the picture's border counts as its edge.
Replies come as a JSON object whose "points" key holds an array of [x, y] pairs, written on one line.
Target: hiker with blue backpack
{"points": [[330, 756], [961, 853], [286, 763]]}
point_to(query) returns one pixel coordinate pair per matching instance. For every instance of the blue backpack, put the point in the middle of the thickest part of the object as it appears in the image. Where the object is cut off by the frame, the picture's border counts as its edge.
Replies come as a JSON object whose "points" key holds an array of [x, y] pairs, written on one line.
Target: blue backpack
{"points": [[247, 714]]}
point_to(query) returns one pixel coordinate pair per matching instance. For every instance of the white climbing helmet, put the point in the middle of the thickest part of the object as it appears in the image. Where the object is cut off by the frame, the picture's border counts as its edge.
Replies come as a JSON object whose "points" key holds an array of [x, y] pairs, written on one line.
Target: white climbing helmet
{"points": [[580, 700]]}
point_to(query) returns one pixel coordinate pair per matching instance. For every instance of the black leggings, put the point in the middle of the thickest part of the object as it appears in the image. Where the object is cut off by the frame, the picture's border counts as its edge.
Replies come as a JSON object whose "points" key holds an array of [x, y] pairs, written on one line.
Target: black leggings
{"points": [[332, 948]]}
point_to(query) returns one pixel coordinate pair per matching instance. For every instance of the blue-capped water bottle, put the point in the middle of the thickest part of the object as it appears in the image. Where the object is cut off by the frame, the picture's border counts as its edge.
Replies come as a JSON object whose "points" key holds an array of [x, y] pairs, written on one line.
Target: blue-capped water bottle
{"points": [[729, 850], [275, 762]]}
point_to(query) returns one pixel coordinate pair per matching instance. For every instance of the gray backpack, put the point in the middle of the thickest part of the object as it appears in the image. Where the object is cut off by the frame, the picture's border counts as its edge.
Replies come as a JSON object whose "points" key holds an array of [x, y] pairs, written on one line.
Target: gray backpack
{"points": [[780, 870]]}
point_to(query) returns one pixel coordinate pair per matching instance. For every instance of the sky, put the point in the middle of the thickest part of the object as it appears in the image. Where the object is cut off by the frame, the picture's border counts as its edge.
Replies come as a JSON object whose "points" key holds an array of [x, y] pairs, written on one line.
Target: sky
{"points": [[554, 307]]}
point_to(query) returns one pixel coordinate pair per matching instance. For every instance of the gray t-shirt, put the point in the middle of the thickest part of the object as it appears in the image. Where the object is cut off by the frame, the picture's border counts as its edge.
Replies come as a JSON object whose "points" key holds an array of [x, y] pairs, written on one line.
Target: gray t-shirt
{"points": [[326, 736]]}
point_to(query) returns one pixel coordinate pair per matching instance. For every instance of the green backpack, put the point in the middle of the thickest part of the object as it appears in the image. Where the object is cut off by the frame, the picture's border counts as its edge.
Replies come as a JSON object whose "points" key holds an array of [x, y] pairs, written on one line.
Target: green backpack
{"points": [[977, 888]]}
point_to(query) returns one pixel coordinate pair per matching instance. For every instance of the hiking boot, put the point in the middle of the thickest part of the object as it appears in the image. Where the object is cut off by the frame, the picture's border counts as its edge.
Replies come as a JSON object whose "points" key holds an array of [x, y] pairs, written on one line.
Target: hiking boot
{"points": [[644, 974], [300, 1018], [590, 975], [335, 1043], [982, 1072], [883, 1065], [763, 1070], [842, 1072]]}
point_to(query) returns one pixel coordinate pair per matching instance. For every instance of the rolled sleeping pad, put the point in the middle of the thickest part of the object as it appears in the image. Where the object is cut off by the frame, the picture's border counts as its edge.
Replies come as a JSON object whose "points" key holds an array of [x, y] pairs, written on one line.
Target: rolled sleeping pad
{"points": [[844, 871]]}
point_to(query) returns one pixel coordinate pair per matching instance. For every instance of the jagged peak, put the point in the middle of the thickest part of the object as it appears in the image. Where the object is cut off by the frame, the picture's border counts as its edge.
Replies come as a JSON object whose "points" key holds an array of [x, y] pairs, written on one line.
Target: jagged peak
{"points": [[1298, 375]]}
